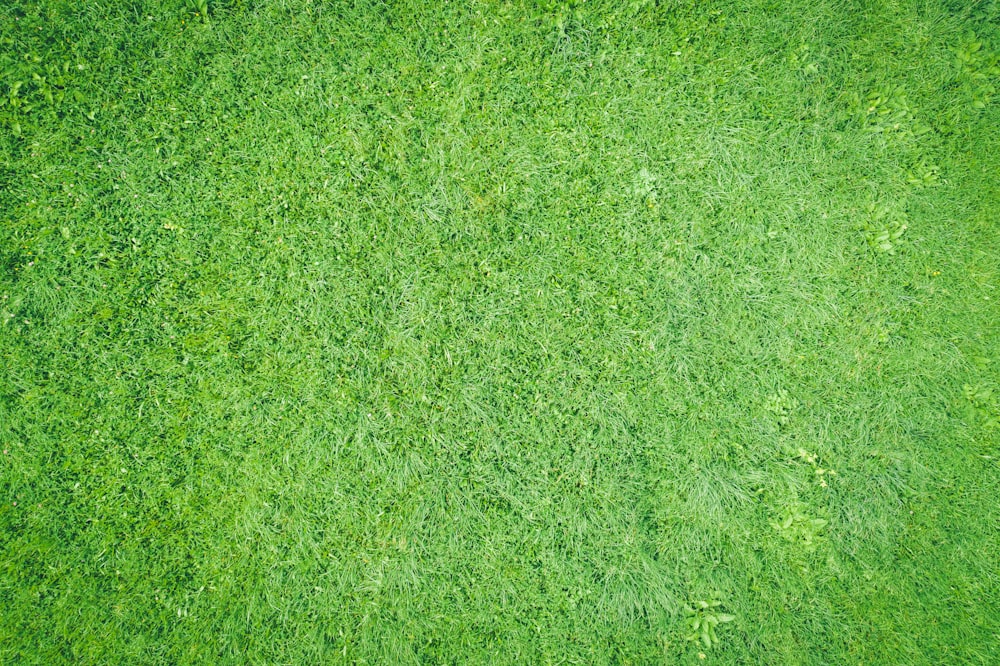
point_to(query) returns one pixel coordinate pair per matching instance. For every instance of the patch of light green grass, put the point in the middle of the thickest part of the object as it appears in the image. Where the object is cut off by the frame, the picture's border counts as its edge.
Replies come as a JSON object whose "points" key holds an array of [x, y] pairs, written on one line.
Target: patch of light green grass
{"points": [[499, 332]]}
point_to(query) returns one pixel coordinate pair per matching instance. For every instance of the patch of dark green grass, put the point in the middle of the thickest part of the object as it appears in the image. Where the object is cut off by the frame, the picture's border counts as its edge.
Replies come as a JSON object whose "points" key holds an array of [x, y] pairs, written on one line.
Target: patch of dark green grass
{"points": [[499, 332]]}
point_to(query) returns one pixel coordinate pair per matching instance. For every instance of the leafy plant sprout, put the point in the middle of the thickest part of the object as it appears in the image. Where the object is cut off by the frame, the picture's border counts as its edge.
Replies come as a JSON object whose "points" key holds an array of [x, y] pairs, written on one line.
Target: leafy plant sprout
{"points": [[703, 618]]}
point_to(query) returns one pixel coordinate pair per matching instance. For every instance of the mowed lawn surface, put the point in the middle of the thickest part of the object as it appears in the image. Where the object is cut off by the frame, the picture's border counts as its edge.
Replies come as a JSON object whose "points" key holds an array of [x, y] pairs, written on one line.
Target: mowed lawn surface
{"points": [[500, 332]]}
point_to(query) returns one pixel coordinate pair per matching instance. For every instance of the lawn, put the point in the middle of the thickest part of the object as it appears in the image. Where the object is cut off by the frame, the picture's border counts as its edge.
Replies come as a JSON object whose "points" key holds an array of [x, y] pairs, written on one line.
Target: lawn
{"points": [[492, 332]]}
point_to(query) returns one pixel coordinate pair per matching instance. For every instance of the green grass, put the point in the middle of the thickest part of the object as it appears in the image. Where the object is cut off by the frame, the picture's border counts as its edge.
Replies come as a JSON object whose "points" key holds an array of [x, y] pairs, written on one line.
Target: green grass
{"points": [[499, 332]]}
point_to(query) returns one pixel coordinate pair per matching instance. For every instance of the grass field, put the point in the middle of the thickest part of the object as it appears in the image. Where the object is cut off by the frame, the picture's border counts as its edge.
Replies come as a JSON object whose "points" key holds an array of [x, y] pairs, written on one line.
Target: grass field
{"points": [[500, 332]]}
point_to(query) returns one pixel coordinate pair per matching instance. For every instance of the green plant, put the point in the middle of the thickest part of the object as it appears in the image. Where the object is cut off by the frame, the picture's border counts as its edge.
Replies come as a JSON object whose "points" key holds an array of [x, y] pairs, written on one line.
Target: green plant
{"points": [[923, 175], [703, 618], [982, 405], [821, 473], [892, 114], [980, 69], [198, 7], [798, 528], [884, 228], [781, 404]]}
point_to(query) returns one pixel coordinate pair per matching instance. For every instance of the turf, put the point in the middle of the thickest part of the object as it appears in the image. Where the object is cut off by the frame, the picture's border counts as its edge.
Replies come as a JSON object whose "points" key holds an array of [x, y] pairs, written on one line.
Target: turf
{"points": [[499, 332]]}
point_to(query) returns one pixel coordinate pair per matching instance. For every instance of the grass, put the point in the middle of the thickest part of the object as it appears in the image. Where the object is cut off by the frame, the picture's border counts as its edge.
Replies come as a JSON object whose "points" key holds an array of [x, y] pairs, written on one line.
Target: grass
{"points": [[499, 332]]}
